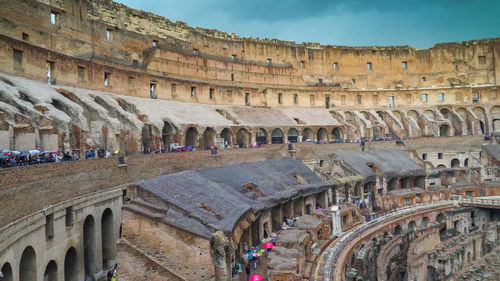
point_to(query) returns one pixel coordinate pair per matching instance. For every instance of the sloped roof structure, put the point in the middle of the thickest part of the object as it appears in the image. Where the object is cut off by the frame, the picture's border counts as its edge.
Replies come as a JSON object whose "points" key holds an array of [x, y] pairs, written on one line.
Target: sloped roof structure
{"points": [[391, 163], [217, 198], [493, 150]]}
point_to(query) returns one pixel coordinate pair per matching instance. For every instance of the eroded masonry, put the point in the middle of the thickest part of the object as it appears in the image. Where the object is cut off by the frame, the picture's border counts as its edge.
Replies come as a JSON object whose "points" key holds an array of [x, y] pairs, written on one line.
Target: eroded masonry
{"points": [[356, 163]]}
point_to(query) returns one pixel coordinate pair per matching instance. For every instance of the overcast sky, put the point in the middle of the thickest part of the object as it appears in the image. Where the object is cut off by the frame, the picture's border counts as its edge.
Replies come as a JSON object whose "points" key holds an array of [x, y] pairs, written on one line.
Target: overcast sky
{"points": [[418, 23]]}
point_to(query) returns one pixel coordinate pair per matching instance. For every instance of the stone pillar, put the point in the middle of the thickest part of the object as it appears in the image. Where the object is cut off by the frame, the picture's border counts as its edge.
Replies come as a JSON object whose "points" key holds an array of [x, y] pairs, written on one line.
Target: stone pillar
{"points": [[336, 221]]}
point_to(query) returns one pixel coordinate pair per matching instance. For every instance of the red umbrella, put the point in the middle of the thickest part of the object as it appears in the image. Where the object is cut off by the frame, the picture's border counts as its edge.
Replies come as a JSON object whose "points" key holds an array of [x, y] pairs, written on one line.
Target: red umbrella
{"points": [[268, 245], [255, 277]]}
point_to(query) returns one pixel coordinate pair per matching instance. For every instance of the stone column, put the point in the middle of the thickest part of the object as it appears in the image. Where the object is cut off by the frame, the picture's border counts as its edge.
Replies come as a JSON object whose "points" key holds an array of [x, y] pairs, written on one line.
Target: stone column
{"points": [[336, 222]]}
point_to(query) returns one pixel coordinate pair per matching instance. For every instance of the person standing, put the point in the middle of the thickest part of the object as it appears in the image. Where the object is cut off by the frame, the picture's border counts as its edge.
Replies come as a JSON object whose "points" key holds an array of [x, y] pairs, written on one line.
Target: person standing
{"points": [[248, 270]]}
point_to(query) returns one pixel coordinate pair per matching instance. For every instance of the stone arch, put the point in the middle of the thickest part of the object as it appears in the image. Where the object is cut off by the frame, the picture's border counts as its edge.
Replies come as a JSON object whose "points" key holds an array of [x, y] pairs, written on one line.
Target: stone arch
{"points": [[277, 136], [307, 134], [227, 135], [381, 114], [432, 273], [441, 166], [455, 163], [70, 265], [413, 114], [445, 112], [392, 184], [444, 130], [191, 137], [495, 115], [441, 218], [167, 134], [377, 132], [7, 272], [148, 139], [292, 135], [398, 230], [366, 115], [50, 271], [337, 134], [261, 137], [398, 114], [425, 222], [108, 239], [242, 138], [430, 114], [209, 137], [462, 113], [27, 265], [89, 247], [481, 116], [349, 117], [411, 225], [322, 134], [466, 162]]}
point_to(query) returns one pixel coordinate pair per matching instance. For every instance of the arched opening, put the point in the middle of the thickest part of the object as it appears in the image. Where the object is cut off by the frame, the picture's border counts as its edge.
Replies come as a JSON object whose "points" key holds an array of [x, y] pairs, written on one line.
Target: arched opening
{"points": [[411, 226], [398, 230], [457, 225], [440, 218], [89, 247], [445, 113], [276, 218], [425, 222], [349, 117], [7, 272], [292, 135], [242, 138], [455, 163], [495, 116], [432, 273], [209, 137], [392, 184], [338, 135], [444, 130], [108, 239], [147, 139], [168, 133], [191, 137], [227, 135], [70, 265], [481, 116], [441, 166], [322, 134], [469, 257], [307, 134], [27, 266], [50, 272], [277, 136], [377, 132], [413, 114], [261, 137], [429, 114], [466, 162]]}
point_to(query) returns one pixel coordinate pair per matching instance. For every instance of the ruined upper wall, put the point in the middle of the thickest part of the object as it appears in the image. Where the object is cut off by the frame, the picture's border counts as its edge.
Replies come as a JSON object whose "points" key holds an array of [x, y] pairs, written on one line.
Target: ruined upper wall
{"points": [[107, 37]]}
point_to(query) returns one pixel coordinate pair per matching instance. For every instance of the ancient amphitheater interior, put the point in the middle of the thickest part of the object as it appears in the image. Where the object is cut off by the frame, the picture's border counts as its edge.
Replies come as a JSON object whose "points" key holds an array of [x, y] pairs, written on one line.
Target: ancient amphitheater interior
{"points": [[180, 153]]}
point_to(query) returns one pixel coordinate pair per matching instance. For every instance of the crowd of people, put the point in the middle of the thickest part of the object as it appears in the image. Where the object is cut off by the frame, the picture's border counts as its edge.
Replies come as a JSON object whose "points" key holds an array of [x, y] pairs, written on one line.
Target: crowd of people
{"points": [[10, 158]]}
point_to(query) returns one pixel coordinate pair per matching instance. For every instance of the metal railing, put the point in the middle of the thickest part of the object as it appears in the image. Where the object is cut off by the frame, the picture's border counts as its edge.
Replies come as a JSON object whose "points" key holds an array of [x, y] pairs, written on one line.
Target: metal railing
{"points": [[480, 201], [333, 253]]}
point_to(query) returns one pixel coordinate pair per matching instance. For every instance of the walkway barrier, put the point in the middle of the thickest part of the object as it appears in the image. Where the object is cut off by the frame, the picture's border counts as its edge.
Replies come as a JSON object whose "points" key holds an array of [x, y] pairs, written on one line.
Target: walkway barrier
{"points": [[480, 202], [331, 255]]}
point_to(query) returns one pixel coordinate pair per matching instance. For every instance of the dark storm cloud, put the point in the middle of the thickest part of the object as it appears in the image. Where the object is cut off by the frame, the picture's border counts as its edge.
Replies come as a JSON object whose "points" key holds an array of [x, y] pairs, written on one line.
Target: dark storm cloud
{"points": [[419, 23]]}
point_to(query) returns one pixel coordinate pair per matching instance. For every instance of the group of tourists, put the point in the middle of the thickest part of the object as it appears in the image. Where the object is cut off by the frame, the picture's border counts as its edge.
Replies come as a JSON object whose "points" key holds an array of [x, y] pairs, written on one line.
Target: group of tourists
{"points": [[10, 158]]}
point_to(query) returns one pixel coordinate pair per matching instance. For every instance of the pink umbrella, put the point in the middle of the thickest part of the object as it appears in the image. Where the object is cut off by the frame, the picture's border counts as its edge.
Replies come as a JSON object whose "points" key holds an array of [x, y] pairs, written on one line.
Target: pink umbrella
{"points": [[254, 254], [255, 277], [268, 245]]}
